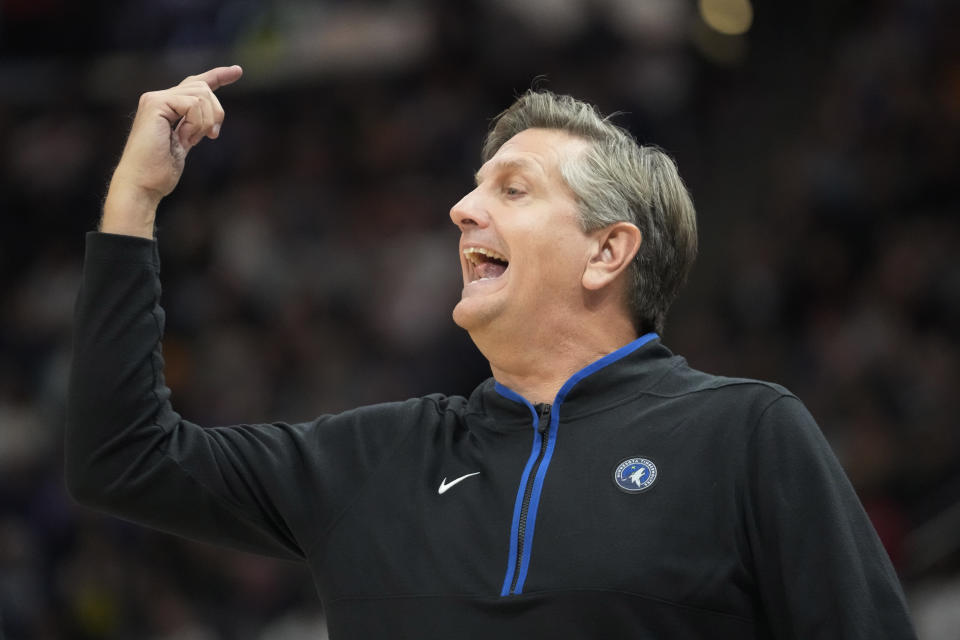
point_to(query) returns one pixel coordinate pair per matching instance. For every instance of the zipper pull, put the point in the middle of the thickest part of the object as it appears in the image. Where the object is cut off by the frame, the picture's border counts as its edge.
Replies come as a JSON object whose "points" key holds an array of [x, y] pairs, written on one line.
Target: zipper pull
{"points": [[544, 423]]}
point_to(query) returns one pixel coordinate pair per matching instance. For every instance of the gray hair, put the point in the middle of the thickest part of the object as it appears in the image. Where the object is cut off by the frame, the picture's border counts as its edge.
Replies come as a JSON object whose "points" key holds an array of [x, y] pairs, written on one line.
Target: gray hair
{"points": [[616, 179]]}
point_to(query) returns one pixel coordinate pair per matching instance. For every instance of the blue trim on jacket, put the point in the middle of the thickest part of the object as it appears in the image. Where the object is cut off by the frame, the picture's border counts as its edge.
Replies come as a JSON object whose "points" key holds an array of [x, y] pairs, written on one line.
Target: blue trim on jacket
{"points": [[538, 481]]}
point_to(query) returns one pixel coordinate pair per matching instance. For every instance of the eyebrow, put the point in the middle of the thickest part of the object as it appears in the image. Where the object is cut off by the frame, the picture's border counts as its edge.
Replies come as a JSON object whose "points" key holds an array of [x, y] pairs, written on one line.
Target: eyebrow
{"points": [[511, 164]]}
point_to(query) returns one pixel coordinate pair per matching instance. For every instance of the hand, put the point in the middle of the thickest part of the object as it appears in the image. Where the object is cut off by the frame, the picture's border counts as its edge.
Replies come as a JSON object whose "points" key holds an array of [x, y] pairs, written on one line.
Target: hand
{"points": [[167, 125]]}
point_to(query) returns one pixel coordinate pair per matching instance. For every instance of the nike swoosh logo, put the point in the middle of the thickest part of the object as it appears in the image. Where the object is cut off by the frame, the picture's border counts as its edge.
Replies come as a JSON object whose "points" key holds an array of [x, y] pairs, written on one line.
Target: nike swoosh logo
{"points": [[445, 486]]}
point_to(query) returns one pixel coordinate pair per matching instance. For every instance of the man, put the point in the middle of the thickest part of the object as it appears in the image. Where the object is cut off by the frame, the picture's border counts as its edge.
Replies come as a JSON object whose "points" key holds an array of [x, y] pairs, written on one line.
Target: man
{"points": [[595, 487]]}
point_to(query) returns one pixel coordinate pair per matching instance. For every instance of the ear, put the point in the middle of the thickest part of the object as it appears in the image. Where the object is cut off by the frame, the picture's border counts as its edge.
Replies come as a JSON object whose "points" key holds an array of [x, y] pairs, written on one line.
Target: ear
{"points": [[614, 249]]}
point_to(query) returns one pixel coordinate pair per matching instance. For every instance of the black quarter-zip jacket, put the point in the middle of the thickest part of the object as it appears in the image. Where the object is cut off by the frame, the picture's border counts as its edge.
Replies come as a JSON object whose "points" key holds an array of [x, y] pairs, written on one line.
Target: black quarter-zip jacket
{"points": [[487, 516]]}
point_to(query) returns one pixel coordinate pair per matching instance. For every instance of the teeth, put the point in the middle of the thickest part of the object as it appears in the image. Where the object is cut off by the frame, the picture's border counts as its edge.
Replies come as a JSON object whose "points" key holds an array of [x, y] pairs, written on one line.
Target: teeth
{"points": [[471, 252]]}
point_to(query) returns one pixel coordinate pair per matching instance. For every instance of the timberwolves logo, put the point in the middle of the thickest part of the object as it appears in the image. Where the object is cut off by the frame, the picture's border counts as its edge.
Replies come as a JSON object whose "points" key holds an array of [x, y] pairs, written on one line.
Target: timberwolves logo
{"points": [[634, 475]]}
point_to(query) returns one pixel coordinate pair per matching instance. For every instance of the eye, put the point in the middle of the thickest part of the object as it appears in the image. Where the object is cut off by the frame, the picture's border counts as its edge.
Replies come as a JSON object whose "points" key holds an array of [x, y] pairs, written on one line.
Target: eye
{"points": [[513, 191]]}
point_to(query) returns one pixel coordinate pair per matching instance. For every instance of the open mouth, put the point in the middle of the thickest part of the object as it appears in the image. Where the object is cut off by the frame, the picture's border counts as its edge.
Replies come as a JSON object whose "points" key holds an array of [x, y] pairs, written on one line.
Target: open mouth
{"points": [[485, 264]]}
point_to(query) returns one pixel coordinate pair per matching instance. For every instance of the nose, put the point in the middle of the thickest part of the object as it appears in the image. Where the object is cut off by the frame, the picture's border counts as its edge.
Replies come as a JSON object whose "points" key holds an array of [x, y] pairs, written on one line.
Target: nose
{"points": [[469, 212]]}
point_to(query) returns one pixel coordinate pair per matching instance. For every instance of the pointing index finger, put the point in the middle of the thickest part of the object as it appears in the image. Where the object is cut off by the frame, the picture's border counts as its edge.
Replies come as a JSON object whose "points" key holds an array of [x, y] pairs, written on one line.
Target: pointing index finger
{"points": [[221, 76]]}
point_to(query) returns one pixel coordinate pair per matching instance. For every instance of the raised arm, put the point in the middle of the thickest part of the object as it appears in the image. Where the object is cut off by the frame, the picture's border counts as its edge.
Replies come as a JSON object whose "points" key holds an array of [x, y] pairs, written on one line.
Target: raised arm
{"points": [[268, 488], [168, 124]]}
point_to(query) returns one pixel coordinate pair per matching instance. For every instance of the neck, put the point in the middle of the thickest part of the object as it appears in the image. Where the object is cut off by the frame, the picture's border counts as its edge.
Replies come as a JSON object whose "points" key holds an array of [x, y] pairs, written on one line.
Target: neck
{"points": [[538, 365]]}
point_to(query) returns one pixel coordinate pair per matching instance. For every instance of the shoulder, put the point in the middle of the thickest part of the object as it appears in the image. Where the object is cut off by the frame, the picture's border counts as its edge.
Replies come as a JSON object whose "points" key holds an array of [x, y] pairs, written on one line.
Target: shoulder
{"points": [[420, 409], [682, 381], [732, 409]]}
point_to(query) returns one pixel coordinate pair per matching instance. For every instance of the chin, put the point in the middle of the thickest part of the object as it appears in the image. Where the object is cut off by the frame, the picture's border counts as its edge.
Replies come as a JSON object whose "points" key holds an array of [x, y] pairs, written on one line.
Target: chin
{"points": [[471, 314]]}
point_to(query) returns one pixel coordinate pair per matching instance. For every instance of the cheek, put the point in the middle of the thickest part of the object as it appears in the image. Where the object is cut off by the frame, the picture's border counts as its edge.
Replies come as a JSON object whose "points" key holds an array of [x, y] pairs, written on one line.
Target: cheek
{"points": [[567, 249], [555, 265], [553, 254]]}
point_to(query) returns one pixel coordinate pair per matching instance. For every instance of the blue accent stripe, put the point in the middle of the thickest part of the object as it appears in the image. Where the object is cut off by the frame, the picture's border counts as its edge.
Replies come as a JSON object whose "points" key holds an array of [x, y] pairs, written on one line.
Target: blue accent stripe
{"points": [[518, 505], [606, 360], [527, 550], [535, 499]]}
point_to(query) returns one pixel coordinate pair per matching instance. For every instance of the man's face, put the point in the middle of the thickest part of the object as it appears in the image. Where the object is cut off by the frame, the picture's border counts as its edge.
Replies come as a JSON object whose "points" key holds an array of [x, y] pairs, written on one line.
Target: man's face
{"points": [[521, 246]]}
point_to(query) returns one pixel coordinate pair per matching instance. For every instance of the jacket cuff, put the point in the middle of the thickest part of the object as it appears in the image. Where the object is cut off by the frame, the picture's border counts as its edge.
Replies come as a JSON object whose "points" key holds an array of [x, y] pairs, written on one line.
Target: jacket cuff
{"points": [[111, 247]]}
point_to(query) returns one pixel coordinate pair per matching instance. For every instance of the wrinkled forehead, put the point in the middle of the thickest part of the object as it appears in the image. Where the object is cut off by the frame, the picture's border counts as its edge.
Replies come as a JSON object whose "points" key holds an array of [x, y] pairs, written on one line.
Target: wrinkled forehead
{"points": [[512, 162], [539, 151]]}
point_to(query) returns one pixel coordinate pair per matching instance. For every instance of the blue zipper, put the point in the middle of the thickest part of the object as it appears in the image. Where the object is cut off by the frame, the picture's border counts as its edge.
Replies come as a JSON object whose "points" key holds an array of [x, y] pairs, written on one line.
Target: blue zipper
{"points": [[544, 440]]}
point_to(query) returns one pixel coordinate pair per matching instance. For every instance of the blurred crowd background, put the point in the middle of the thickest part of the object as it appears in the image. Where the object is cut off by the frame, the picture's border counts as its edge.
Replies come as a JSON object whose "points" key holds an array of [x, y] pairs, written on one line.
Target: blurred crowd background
{"points": [[310, 264]]}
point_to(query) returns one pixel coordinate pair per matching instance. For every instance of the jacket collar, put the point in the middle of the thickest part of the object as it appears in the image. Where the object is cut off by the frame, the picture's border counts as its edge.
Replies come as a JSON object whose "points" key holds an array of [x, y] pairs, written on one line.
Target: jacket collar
{"points": [[615, 377]]}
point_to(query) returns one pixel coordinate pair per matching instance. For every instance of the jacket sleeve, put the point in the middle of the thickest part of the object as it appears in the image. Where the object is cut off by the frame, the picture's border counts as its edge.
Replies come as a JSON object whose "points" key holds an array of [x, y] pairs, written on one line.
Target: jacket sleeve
{"points": [[273, 489], [821, 569]]}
